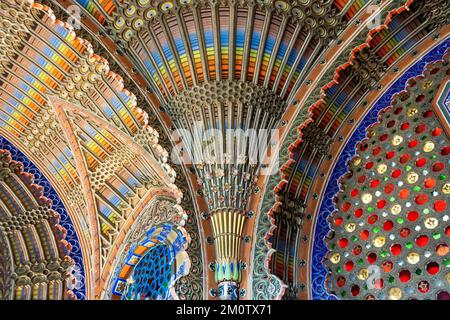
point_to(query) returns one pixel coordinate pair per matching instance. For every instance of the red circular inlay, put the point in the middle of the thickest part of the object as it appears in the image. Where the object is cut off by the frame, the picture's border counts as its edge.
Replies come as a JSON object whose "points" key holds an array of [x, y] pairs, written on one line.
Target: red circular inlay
{"points": [[420, 128], [413, 143], [433, 268], [445, 150], [404, 275], [421, 199], [389, 188], [429, 183], [388, 225], [369, 165], [346, 206], [358, 213], [340, 281], [396, 249], [413, 215], [423, 286], [372, 219], [442, 249], [404, 158], [436, 132], [387, 266], [381, 203], [374, 183], [404, 232], [427, 113], [438, 166], [357, 250], [440, 205], [355, 290], [422, 240], [343, 242], [378, 284], [376, 151], [396, 173], [404, 193], [421, 162], [349, 265], [364, 234]]}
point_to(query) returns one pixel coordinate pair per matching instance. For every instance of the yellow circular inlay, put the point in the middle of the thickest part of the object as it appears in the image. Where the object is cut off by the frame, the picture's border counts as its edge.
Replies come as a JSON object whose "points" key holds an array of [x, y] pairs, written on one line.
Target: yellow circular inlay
{"points": [[363, 274], [335, 258], [412, 177], [381, 168], [411, 112], [395, 293], [356, 161], [379, 241], [396, 209], [427, 84], [396, 140], [350, 227], [431, 223], [366, 198], [428, 146], [413, 258]]}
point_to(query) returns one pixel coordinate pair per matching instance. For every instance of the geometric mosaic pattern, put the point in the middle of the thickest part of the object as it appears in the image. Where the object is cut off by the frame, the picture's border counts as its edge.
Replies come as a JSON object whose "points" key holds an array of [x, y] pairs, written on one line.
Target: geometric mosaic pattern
{"points": [[392, 227]]}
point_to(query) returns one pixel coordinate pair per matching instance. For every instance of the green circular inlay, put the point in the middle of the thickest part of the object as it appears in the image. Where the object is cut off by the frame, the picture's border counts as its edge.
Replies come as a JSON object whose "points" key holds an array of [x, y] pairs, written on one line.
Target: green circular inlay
{"points": [[447, 262], [416, 188], [400, 220], [409, 245], [376, 229]]}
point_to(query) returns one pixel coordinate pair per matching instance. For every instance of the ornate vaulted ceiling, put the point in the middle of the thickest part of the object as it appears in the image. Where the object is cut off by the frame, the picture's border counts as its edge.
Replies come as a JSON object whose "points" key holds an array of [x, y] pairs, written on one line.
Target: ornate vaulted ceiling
{"points": [[108, 104]]}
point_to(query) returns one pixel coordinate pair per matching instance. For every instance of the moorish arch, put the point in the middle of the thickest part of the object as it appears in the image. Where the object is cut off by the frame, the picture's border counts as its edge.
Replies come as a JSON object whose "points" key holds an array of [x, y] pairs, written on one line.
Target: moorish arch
{"points": [[391, 221], [384, 56], [36, 259]]}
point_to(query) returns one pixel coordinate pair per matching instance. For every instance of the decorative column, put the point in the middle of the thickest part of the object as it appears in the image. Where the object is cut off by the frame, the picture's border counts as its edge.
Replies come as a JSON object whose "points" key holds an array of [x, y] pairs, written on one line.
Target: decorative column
{"points": [[224, 128]]}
